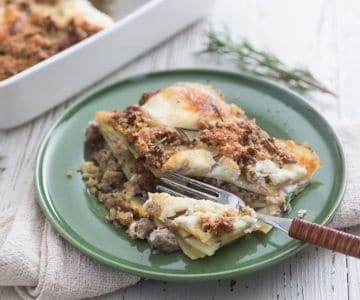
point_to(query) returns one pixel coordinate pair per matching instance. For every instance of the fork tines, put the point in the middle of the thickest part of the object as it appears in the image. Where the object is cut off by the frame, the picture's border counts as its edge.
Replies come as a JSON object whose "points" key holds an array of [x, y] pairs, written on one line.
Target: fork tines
{"points": [[179, 185]]}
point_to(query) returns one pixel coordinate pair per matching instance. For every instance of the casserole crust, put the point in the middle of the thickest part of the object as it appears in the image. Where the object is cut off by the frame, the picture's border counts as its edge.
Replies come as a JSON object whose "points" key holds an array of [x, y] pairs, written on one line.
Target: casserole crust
{"points": [[33, 30]]}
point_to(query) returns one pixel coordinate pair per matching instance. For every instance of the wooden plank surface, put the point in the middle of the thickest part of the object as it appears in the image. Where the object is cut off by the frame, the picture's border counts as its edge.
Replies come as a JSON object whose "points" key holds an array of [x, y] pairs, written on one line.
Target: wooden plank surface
{"points": [[321, 34]]}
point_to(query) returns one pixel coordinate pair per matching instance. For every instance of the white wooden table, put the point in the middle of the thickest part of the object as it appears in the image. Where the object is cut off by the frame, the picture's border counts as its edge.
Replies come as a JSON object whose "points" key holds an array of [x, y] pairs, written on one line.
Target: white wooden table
{"points": [[321, 34]]}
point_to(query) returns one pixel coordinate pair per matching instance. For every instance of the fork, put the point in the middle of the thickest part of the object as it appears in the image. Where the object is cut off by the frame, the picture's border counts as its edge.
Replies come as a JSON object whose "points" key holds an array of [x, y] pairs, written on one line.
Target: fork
{"points": [[322, 236]]}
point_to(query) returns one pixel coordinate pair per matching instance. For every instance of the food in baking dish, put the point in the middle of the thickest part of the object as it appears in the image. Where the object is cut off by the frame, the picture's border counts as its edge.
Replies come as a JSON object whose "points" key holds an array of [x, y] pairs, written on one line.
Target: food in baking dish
{"points": [[33, 30], [188, 128]]}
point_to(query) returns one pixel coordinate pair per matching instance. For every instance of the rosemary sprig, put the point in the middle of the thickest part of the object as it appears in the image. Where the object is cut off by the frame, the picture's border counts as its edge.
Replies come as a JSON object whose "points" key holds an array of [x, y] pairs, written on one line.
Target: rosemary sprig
{"points": [[183, 132], [158, 143], [187, 129], [217, 111], [261, 63]]}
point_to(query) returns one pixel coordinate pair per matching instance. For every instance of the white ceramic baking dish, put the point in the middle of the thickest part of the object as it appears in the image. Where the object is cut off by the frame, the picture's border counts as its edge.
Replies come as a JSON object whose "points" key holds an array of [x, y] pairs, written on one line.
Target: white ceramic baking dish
{"points": [[41, 87]]}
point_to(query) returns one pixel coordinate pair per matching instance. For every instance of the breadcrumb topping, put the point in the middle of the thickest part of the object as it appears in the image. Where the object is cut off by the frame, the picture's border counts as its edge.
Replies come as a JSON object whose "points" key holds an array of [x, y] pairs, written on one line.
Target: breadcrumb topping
{"points": [[29, 35], [243, 141]]}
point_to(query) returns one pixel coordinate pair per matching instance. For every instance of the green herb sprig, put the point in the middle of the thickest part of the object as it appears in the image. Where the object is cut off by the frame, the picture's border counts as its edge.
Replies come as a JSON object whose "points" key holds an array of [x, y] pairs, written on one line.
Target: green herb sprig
{"points": [[261, 63], [158, 143]]}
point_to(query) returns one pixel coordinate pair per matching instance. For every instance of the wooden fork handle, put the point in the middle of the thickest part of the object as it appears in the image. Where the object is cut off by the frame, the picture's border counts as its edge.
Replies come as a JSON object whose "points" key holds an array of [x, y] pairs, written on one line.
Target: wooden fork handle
{"points": [[325, 237]]}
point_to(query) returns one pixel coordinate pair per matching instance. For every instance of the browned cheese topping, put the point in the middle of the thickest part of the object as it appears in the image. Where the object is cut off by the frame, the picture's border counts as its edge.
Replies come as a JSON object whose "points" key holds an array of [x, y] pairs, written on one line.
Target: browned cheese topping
{"points": [[28, 36], [150, 139], [223, 223], [244, 141]]}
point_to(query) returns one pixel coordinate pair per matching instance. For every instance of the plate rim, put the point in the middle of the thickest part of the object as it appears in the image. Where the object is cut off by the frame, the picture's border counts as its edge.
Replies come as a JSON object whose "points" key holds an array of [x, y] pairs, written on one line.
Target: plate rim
{"points": [[55, 221]]}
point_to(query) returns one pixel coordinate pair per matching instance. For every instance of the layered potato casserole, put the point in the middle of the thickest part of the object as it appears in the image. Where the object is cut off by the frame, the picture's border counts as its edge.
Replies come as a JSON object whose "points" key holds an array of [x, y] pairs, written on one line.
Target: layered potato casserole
{"points": [[33, 30], [188, 128]]}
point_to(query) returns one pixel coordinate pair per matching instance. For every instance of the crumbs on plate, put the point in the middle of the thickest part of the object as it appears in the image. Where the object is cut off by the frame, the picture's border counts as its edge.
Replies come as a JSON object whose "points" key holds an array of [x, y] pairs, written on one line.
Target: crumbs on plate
{"points": [[301, 213]]}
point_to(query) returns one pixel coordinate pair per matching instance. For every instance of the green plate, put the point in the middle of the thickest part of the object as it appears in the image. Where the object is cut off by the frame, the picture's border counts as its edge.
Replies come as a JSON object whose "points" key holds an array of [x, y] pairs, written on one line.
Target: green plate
{"points": [[79, 218]]}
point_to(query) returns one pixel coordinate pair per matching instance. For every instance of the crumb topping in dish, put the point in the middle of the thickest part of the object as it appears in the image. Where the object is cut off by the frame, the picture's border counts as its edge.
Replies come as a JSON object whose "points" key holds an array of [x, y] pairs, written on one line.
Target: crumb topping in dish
{"points": [[33, 30]]}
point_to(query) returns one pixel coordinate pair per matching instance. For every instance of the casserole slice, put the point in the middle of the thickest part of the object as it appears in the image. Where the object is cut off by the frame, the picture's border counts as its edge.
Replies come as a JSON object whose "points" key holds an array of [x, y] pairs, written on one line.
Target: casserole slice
{"points": [[201, 227], [197, 227], [189, 128]]}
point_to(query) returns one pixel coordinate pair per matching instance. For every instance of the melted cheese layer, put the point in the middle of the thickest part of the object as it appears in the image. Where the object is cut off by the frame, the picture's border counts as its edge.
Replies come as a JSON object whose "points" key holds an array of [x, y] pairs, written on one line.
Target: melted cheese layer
{"points": [[279, 175], [184, 105], [192, 211]]}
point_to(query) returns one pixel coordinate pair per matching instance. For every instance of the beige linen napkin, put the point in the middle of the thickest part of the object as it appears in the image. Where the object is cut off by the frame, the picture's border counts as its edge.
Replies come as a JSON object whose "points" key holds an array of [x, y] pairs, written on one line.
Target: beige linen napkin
{"points": [[349, 212], [41, 265]]}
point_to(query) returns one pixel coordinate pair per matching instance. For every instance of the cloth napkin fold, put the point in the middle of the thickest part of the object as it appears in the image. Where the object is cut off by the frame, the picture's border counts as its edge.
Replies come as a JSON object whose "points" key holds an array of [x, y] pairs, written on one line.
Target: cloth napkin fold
{"points": [[348, 213], [41, 265]]}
